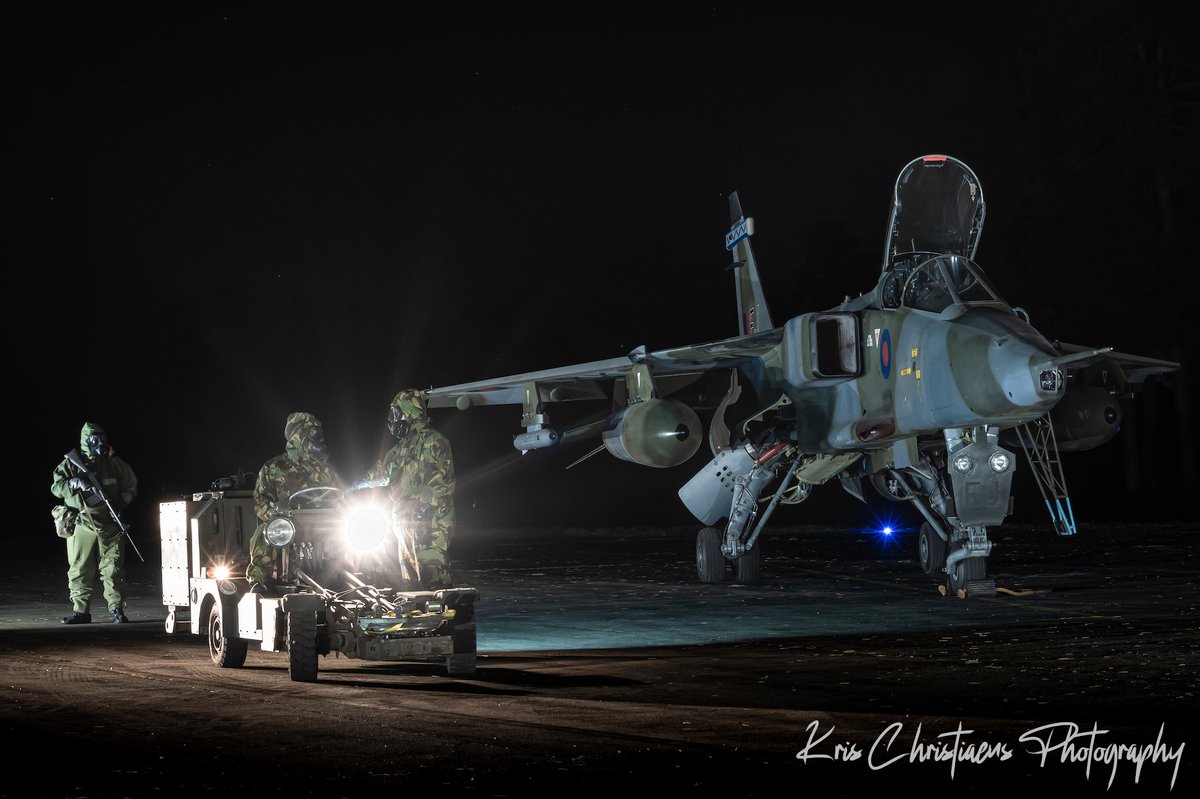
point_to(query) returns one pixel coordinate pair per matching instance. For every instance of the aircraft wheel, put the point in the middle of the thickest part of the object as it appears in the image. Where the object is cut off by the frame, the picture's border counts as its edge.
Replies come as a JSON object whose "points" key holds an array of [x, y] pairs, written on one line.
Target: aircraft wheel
{"points": [[228, 653], [302, 645], [969, 570], [931, 550], [745, 568], [710, 561]]}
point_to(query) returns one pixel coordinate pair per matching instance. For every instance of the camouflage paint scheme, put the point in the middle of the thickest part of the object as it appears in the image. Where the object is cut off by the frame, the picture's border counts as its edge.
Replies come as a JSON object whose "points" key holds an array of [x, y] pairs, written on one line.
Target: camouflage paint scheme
{"points": [[912, 388]]}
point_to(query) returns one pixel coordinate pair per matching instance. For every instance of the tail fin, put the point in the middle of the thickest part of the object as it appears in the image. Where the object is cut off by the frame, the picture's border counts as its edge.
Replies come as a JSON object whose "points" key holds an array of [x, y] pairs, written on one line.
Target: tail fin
{"points": [[753, 315]]}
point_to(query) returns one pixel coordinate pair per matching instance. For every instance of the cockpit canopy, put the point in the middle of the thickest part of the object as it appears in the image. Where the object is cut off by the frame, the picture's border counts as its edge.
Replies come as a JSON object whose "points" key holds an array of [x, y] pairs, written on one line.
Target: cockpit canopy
{"points": [[937, 216], [937, 206]]}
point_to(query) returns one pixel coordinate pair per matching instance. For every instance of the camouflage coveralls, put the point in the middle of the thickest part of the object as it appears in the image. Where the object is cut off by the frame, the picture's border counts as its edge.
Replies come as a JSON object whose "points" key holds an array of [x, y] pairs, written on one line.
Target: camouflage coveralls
{"points": [[279, 478], [97, 543], [419, 470]]}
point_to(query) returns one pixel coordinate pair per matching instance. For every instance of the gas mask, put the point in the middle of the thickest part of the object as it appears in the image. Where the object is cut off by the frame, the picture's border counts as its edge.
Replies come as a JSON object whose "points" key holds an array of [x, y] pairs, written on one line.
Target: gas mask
{"points": [[97, 444], [397, 425], [314, 443]]}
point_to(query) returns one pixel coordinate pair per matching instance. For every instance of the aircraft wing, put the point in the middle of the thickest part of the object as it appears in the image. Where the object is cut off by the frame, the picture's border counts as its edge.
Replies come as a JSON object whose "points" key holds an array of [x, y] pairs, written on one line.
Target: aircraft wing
{"points": [[1120, 369], [671, 369]]}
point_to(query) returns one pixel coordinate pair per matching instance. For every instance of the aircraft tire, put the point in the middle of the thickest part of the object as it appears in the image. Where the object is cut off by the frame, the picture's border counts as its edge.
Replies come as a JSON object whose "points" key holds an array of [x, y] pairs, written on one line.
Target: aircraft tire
{"points": [[226, 653], [746, 568], [931, 550], [971, 569], [710, 561]]}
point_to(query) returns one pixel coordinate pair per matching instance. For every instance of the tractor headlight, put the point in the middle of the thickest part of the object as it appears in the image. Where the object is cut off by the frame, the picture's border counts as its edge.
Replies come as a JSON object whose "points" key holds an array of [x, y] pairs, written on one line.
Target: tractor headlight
{"points": [[280, 532], [999, 461], [962, 463], [366, 528]]}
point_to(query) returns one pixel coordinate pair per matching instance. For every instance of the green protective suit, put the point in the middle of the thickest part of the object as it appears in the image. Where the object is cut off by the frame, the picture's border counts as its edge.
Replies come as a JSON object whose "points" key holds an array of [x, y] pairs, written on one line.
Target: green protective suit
{"points": [[419, 470], [96, 544], [303, 464]]}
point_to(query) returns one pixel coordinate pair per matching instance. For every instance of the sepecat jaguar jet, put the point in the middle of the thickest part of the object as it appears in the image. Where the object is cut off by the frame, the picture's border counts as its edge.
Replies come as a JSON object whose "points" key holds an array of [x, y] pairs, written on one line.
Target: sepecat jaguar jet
{"points": [[922, 390]]}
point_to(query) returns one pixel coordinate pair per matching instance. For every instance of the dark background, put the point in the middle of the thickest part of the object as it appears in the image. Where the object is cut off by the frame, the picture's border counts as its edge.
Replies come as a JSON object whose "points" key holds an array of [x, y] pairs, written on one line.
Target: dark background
{"points": [[229, 216]]}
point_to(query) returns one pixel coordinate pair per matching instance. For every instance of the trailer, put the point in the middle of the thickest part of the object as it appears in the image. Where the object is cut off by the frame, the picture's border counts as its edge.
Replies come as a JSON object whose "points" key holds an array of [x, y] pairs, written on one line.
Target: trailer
{"points": [[339, 587]]}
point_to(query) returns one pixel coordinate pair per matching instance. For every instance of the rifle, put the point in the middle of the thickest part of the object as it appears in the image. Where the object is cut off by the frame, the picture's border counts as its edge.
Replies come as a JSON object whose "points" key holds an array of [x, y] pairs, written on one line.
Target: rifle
{"points": [[76, 460]]}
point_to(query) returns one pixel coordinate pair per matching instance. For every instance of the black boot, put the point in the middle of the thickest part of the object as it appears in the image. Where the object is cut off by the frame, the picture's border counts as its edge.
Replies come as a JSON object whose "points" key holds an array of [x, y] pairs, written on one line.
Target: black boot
{"points": [[77, 618], [119, 616]]}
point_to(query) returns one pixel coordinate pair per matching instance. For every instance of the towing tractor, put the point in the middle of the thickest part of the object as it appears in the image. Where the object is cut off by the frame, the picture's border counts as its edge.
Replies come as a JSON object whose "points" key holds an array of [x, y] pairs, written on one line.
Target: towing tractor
{"points": [[339, 585]]}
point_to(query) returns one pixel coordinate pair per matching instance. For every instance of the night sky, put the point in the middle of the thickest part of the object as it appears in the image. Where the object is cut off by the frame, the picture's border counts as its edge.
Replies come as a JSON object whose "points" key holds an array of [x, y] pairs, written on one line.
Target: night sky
{"points": [[231, 216]]}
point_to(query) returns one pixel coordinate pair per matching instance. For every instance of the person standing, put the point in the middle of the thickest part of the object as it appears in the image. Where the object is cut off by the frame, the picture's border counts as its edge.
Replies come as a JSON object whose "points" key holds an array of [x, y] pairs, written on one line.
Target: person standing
{"points": [[303, 464], [419, 474], [96, 543]]}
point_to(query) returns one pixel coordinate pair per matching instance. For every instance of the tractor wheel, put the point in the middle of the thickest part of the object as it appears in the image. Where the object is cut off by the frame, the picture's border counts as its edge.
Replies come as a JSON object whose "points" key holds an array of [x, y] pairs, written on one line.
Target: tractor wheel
{"points": [[228, 653], [302, 645]]}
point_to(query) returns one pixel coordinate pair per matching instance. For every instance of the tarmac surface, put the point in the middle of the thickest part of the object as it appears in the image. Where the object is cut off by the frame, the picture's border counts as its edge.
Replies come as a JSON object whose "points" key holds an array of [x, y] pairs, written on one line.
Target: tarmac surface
{"points": [[604, 665]]}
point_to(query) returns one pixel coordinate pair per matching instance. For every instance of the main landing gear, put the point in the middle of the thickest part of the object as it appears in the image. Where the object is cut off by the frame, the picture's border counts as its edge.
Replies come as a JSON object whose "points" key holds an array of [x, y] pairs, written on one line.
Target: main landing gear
{"points": [[712, 566]]}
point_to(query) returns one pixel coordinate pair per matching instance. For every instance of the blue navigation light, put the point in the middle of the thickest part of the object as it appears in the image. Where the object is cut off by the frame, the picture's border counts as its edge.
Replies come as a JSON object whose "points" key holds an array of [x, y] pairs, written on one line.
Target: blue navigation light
{"points": [[887, 530]]}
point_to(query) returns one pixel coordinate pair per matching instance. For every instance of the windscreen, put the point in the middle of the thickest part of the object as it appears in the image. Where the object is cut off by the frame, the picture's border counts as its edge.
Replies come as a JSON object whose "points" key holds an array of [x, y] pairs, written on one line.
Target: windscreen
{"points": [[945, 280]]}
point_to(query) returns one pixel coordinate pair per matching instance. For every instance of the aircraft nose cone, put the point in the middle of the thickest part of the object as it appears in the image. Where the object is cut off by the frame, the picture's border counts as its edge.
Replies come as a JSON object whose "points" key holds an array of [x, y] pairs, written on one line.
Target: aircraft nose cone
{"points": [[1022, 387]]}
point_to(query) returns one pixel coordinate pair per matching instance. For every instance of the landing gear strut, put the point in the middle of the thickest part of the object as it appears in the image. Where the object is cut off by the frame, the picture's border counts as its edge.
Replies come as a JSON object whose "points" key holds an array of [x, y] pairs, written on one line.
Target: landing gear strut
{"points": [[959, 497]]}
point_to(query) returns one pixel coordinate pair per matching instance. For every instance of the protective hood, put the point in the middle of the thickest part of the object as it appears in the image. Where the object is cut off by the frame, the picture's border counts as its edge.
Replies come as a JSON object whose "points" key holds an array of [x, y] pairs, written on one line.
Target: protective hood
{"points": [[411, 405], [90, 429], [305, 437]]}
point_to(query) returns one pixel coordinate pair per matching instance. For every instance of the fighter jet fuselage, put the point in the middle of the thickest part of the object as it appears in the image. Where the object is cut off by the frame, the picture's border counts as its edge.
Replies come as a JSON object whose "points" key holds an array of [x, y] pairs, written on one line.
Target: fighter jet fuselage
{"points": [[914, 389]]}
